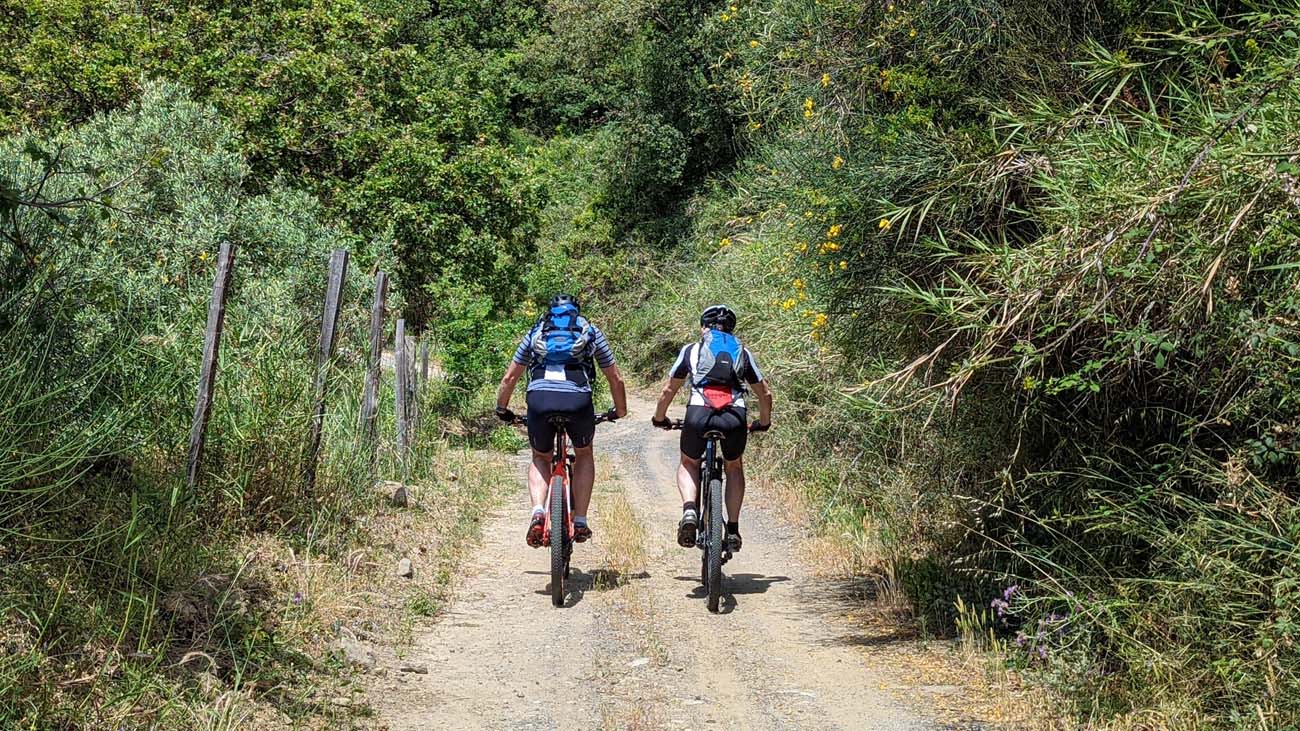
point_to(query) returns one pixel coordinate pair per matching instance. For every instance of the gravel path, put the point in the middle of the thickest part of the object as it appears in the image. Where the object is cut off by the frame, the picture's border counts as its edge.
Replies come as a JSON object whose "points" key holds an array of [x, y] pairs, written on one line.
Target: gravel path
{"points": [[634, 647]]}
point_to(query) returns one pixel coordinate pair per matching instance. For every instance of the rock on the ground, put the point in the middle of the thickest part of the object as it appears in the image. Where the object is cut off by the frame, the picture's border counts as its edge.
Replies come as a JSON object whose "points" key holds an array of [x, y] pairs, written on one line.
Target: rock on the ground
{"points": [[396, 492], [415, 667], [405, 569], [354, 652]]}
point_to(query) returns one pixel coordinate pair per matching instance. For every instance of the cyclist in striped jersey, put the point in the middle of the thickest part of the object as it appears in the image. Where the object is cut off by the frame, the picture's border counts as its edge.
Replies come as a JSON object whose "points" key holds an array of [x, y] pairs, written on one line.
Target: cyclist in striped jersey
{"points": [[563, 388]]}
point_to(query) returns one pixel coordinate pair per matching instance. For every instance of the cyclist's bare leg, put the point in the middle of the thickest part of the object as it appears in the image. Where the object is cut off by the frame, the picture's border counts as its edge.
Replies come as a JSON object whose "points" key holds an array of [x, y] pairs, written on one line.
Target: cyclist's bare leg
{"points": [[539, 477], [735, 470], [688, 479], [584, 476]]}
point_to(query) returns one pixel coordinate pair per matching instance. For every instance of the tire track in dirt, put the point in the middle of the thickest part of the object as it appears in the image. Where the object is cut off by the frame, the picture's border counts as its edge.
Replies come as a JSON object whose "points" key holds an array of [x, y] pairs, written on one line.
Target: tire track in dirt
{"points": [[634, 647]]}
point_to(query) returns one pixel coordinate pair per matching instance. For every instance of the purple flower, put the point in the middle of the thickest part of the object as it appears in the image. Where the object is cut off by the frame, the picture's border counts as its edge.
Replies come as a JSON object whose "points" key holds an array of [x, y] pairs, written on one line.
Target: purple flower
{"points": [[1000, 606], [1042, 652], [1010, 591], [297, 598]]}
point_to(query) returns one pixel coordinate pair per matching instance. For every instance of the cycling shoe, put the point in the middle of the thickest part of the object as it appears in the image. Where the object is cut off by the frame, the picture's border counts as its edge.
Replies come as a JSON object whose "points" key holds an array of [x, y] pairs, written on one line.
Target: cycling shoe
{"points": [[687, 528]]}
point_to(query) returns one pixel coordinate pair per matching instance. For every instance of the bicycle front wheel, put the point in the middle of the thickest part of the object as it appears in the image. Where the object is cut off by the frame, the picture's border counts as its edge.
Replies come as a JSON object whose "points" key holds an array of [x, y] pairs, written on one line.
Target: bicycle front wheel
{"points": [[559, 540], [713, 552]]}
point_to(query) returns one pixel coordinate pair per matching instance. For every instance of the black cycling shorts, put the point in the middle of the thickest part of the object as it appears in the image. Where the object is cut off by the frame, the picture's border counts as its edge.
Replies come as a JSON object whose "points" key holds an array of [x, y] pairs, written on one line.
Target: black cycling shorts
{"points": [[576, 406], [701, 419]]}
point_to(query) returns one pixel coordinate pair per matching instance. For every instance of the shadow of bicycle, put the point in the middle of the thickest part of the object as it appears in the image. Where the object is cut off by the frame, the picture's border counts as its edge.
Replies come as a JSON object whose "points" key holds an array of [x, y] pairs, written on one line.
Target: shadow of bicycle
{"points": [[734, 585], [580, 582]]}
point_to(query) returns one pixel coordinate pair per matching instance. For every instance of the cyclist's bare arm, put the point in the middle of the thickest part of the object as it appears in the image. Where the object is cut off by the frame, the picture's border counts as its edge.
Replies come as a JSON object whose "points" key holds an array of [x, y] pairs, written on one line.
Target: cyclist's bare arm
{"points": [[666, 397], [507, 387], [617, 389], [764, 395]]}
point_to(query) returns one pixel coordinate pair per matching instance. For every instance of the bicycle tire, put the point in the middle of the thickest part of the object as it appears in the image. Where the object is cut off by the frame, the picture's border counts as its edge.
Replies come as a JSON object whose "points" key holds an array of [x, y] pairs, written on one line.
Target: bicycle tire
{"points": [[559, 540], [717, 536]]}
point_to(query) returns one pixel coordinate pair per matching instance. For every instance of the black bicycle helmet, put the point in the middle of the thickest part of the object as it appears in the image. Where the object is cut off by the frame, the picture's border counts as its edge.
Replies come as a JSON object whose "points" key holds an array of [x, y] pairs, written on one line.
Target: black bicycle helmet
{"points": [[565, 299], [718, 317]]}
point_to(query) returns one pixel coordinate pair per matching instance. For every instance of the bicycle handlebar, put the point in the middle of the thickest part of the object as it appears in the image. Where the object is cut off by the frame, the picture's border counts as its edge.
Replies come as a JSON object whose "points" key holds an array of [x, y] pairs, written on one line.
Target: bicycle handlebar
{"points": [[521, 419], [678, 424]]}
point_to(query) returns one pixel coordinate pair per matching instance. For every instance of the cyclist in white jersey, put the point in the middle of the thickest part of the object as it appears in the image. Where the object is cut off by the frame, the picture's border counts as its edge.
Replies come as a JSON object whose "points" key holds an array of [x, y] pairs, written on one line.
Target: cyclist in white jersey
{"points": [[701, 417]]}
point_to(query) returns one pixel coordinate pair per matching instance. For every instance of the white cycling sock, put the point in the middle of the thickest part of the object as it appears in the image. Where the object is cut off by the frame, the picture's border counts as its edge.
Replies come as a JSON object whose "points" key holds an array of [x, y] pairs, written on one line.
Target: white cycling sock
{"points": [[579, 520], [538, 509]]}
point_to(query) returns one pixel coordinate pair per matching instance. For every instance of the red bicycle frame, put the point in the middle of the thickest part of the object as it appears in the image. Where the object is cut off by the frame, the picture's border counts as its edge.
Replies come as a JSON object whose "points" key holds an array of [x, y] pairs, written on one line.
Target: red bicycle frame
{"points": [[559, 466]]}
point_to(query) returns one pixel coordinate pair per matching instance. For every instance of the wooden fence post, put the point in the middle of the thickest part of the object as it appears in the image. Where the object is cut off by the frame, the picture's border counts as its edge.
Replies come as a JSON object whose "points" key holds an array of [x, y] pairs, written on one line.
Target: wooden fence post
{"points": [[424, 359], [324, 354], [402, 371], [374, 367], [414, 382], [208, 372]]}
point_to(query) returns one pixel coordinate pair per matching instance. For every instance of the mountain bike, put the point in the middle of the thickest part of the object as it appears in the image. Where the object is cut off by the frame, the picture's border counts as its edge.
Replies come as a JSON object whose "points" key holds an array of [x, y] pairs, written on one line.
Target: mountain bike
{"points": [[560, 502], [711, 535]]}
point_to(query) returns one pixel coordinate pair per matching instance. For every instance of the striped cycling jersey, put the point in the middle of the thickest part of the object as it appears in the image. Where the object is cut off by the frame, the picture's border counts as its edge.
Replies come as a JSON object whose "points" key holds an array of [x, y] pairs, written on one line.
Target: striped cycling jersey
{"points": [[685, 365], [597, 350]]}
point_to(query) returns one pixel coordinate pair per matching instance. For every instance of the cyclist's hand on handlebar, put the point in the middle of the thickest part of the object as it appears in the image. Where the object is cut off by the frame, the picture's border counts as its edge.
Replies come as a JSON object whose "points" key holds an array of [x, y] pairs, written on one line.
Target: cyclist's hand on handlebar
{"points": [[612, 416], [506, 415], [664, 423], [759, 426]]}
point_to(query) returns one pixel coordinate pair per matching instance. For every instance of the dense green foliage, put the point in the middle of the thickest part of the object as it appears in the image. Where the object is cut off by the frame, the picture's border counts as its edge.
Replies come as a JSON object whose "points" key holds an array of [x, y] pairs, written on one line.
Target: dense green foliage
{"points": [[1046, 254], [1025, 273], [112, 226], [392, 116]]}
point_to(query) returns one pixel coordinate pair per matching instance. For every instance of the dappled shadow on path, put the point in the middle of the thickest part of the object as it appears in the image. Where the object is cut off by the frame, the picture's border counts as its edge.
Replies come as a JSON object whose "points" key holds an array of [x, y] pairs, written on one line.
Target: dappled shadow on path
{"points": [[876, 619]]}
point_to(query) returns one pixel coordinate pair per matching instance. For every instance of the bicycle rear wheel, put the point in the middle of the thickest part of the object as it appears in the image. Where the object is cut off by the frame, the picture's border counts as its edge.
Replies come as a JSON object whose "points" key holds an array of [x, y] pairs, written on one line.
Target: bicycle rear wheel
{"points": [[559, 540], [713, 553]]}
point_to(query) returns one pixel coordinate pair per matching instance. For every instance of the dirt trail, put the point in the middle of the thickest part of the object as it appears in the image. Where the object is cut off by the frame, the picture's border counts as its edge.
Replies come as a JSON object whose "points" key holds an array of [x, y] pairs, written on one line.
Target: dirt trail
{"points": [[634, 647]]}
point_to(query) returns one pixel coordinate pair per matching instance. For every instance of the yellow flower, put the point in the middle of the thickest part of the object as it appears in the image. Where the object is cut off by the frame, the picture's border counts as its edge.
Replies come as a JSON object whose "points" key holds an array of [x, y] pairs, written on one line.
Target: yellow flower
{"points": [[837, 163], [832, 246], [724, 243], [819, 319], [834, 231], [826, 79], [788, 304], [885, 223], [808, 108], [1030, 383], [844, 264], [755, 126], [803, 247], [798, 284], [753, 44], [912, 34], [203, 256], [724, 17]]}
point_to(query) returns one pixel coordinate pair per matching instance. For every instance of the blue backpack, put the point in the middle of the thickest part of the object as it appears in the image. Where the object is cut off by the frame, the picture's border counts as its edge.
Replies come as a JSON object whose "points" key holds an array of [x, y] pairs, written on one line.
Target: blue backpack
{"points": [[718, 365], [560, 348]]}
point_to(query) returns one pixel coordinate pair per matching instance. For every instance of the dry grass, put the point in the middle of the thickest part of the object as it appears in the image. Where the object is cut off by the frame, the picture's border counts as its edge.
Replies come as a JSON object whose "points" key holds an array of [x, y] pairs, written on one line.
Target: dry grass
{"points": [[623, 559], [959, 682], [357, 593]]}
